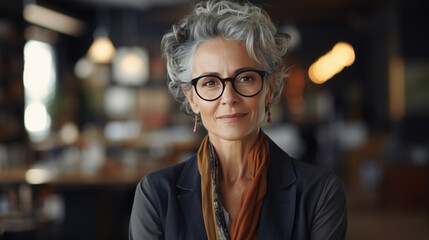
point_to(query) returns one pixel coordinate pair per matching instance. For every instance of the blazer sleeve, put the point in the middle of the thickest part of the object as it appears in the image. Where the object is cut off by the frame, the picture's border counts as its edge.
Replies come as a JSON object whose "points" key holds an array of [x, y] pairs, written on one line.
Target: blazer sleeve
{"points": [[145, 222], [330, 218]]}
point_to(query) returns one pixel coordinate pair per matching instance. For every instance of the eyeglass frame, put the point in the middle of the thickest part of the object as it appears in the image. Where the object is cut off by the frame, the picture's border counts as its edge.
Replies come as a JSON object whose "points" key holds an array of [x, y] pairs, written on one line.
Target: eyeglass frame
{"points": [[261, 73]]}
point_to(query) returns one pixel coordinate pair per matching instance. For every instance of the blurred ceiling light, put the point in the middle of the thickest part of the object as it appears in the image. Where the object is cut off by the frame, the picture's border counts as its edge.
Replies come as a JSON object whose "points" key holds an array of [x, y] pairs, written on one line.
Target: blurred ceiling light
{"points": [[131, 66], [345, 53], [102, 49], [341, 55], [53, 20], [69, 133]]}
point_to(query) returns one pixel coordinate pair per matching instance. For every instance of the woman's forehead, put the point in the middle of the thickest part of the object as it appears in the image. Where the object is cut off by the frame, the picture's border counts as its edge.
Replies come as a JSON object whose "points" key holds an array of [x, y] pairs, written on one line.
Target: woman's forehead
{"points": [[221, 56]]}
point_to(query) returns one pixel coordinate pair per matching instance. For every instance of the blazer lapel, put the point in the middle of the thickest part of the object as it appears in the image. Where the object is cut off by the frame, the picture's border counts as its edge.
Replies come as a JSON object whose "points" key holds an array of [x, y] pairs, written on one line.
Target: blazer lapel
{"points": [[189, 197], [278, 210]]}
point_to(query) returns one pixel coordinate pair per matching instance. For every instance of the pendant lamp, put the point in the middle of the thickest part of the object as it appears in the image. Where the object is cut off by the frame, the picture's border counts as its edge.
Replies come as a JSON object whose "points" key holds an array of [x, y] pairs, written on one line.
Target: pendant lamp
{"points": [[102, 49]]}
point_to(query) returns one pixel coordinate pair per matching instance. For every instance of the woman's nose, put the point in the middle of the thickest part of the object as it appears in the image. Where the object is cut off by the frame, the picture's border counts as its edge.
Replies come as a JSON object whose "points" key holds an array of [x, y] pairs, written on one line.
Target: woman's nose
{"points": [[229, 96]]}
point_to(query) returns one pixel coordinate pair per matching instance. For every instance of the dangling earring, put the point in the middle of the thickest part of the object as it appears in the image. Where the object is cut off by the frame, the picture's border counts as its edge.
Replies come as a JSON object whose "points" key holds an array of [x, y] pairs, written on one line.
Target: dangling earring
{"points": [[269, 114], [196, 124]]}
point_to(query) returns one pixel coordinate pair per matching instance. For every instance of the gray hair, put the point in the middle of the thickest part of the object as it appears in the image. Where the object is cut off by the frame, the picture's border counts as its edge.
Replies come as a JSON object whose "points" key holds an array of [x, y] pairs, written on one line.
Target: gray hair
{"points": [[233, 21]]}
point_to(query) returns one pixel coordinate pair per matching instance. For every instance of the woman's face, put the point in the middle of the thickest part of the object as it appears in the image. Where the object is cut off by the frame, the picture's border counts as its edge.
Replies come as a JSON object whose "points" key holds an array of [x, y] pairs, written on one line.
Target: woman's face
{"points": [[232, 116]]}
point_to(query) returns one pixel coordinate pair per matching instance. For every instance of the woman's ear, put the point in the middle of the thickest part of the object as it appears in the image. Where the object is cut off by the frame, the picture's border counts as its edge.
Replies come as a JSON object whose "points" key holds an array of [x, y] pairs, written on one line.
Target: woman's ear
{"points": [[189, 93]]}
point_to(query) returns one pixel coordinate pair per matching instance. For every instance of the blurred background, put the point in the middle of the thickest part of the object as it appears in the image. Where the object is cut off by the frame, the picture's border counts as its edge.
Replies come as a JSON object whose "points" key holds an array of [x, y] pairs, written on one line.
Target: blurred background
{"points": [[85, 112]]}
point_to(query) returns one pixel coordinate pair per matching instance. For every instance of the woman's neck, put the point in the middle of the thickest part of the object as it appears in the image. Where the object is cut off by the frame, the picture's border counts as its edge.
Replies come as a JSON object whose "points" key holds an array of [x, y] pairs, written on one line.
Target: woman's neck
{"points": [[233, 156]]}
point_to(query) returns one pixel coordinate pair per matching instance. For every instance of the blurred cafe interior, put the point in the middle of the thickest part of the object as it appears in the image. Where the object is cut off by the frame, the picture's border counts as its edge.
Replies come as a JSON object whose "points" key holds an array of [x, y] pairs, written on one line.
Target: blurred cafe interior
{"points": [[85, 112]]}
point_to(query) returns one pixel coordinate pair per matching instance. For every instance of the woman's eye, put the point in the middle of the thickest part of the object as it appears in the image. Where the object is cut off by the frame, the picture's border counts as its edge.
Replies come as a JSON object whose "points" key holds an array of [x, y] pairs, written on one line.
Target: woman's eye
{"points": [[245, 79], [209, 83]]}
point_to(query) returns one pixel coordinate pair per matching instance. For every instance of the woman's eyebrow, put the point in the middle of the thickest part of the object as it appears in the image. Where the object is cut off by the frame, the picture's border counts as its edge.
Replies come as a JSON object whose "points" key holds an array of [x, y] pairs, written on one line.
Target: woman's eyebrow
{"points": [[243, 69]]}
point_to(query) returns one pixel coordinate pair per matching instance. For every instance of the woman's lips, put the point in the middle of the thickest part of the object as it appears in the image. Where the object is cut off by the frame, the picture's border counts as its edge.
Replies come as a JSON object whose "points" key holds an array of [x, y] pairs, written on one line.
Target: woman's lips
{"points": [[232, 117]]}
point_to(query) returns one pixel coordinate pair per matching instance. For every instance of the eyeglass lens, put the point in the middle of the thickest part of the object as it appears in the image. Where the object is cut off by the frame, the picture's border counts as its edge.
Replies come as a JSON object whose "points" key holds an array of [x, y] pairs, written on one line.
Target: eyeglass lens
{"points": [[246, 83]]}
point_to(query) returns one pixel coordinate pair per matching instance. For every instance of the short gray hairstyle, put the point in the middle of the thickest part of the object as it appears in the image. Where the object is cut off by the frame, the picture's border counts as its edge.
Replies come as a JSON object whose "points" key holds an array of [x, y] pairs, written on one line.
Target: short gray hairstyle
{"points": [[246, 23]]}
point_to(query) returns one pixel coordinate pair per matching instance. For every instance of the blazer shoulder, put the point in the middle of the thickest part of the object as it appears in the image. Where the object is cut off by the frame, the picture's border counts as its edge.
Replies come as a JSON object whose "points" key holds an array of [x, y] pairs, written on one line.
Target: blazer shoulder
{"points": [[318, 179], [169, 175]]}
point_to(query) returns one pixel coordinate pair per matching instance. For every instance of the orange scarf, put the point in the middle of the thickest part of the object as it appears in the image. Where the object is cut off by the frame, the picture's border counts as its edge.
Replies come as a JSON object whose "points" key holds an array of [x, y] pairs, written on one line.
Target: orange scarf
{"points": [[245, 223]]}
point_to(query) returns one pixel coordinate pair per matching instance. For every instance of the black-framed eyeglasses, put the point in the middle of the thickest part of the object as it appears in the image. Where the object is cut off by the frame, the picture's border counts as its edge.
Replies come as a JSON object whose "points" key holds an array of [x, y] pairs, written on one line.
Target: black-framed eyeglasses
{"points": [[247, 83]]}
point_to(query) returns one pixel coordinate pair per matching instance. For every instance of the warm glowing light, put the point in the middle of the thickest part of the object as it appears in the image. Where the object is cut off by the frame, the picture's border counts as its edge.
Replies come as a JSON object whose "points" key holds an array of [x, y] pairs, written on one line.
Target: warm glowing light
{"points": [[53, 20], [131, 66], [342, 55], [345, 52], [39, 175], [69, 133], [101, 50]]}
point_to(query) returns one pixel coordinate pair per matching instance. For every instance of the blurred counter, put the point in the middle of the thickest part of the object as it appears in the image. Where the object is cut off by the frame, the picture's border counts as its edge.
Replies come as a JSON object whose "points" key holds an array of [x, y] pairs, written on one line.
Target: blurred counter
{"points": [[113, 177]]}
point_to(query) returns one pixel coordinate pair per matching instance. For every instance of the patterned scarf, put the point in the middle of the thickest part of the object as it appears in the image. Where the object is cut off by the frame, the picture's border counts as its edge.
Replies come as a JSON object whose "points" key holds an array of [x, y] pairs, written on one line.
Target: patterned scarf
{"points": [[245, 223]]}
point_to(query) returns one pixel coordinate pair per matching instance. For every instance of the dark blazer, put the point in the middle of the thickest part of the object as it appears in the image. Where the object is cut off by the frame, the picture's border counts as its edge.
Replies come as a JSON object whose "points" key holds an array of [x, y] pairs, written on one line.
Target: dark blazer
{"points": [[302, 202]]}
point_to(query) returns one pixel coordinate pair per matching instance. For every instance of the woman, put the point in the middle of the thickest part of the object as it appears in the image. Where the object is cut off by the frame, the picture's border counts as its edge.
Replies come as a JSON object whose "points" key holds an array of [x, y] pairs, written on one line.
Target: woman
{"points": [[225, 65]]}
